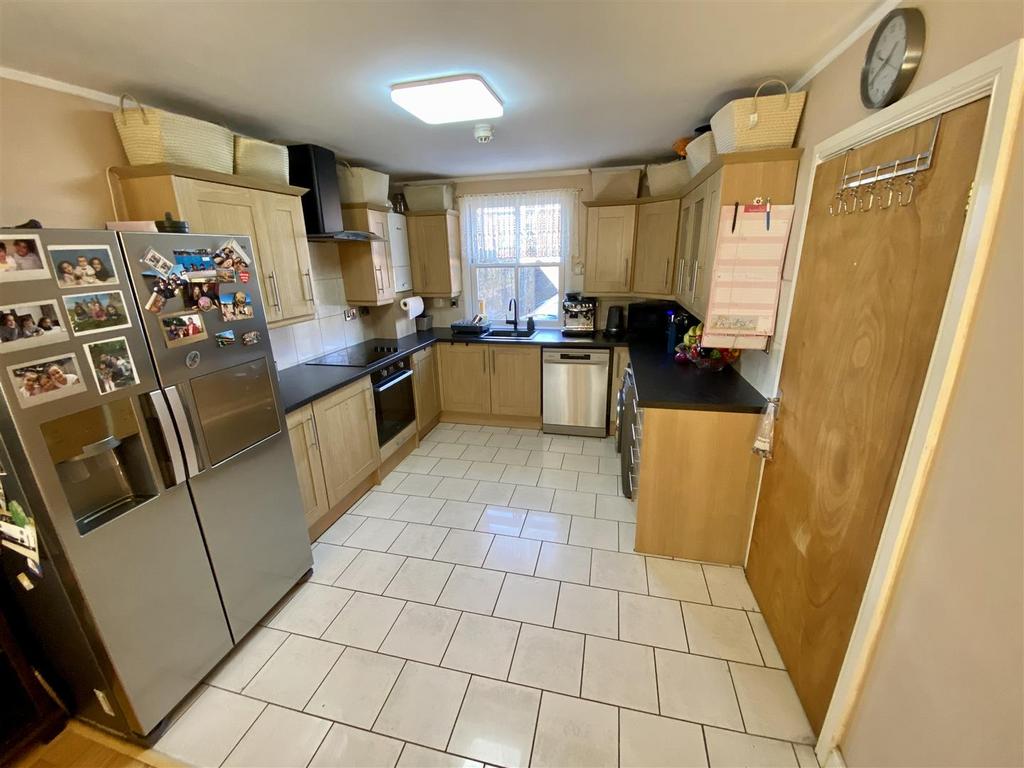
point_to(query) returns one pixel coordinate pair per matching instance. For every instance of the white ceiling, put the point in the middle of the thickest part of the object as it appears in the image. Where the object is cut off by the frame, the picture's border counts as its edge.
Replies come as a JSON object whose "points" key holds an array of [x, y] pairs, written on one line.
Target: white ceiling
{"points": [[584, 83]]}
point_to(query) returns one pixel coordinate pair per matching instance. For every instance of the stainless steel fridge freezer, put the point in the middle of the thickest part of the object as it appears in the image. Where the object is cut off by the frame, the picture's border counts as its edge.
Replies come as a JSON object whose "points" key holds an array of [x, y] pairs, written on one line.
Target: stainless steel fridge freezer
{"points": [[151, 455]]}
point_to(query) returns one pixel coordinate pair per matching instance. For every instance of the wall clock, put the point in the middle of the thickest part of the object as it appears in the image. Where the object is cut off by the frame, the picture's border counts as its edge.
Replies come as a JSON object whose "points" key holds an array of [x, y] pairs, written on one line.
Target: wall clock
{"points": [[892, 58]]}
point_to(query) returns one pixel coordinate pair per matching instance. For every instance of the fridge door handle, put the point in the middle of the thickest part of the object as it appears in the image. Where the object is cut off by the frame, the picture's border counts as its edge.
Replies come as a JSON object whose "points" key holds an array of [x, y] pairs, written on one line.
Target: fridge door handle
{"points": [[188, 441], [170, 437]]}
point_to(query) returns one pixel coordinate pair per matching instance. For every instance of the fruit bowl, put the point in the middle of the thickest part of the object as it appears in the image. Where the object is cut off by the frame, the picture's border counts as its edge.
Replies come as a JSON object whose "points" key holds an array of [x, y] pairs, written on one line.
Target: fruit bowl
{"points": [[707, 358]]}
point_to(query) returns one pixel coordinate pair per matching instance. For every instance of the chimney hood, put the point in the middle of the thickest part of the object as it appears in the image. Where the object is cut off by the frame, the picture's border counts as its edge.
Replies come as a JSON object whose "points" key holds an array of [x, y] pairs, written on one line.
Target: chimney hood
{"points": [[315, 168]]}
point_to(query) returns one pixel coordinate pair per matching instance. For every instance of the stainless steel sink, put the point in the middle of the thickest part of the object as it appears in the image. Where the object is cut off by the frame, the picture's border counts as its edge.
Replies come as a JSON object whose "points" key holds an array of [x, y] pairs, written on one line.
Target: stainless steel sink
{"points": [[509, 333]]}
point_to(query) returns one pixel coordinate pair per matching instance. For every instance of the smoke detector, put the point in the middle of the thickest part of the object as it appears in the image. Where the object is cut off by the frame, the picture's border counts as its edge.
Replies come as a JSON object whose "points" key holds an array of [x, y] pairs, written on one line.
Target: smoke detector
{"points": [[483, 133]]}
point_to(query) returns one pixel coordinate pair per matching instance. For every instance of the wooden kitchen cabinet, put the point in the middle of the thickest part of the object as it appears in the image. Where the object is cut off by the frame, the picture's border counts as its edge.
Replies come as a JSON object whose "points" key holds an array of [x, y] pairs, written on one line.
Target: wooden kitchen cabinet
{"points": [[514, 373], [308, 465], [620, 359], [366, 266], [426, 390], [657, 226], [435, 253], [465, 379], [347, 427], [269, 214], [609, 254]]}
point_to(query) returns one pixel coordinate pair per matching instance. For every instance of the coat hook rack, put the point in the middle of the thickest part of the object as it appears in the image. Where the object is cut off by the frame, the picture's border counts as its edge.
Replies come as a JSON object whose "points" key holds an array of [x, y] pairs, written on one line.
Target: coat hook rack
{"points": [[906, 166]]}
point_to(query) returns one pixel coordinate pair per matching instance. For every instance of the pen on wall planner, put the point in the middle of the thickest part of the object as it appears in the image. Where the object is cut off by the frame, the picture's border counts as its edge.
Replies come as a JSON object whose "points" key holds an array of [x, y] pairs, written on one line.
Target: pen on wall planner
{"points": [[768, 215], [735, 211]]}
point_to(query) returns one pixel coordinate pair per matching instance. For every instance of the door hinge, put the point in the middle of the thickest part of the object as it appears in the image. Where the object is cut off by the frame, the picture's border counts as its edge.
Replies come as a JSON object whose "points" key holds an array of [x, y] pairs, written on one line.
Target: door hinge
{"points": [[970, 196]]}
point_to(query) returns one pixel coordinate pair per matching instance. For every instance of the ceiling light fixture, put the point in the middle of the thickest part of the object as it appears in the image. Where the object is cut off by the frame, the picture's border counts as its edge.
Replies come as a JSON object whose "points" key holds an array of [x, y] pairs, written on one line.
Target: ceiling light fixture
{"points": [[453, 99]]}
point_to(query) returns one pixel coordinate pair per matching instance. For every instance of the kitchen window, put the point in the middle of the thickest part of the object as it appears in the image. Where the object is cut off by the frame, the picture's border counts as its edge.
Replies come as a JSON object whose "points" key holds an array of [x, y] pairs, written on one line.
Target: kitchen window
{"points": [[517, 246]]}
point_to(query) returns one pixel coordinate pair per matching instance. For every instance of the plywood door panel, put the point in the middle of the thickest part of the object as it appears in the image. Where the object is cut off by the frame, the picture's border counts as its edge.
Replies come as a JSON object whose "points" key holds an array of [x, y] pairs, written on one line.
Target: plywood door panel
{"points": [[869, 296], [465, 380], [286, 239], [515, 380], [609, 256], [433, 244], [308, 464], [348, 429], [657, 225]]}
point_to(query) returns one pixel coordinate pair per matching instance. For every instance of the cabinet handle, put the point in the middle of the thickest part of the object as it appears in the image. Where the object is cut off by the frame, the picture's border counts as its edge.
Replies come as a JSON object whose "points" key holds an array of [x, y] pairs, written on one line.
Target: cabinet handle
{"points": [[309, 282], [272, 283], [316, 435], [378, 277]]}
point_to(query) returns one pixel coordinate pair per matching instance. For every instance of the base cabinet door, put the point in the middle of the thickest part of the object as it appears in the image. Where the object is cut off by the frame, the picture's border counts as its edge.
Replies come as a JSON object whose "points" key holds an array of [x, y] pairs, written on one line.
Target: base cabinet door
{"points": [[465, 384], [347, 425], [426, 388], [515, 380], [308, 465]]}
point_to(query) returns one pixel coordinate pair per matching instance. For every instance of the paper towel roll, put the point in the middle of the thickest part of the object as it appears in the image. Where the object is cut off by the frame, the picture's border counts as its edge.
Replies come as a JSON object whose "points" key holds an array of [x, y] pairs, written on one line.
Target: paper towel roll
{"points": [[413, 306]]}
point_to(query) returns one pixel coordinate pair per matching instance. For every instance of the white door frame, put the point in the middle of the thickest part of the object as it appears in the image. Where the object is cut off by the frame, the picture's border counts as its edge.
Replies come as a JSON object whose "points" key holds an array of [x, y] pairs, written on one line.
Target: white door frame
{"points": [[1000, 76]]}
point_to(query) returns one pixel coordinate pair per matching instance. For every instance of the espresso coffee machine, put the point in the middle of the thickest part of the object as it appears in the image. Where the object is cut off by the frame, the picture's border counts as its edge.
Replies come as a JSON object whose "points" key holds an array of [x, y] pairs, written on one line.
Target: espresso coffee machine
{"points": [[579, 313]]}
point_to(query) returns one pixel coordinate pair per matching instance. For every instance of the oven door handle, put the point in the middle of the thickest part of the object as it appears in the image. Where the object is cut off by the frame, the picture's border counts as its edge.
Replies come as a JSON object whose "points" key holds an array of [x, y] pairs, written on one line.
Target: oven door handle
{"points": [[389, 383]]}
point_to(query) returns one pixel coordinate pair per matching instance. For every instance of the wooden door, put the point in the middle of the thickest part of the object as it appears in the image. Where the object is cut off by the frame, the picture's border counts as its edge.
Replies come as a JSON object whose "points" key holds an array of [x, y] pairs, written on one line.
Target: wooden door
{"points": [[429, 255], [869, 296], [657, 225], [286, 240], [705, 259], [515, 380], [609, 255], [347, 427], [465, 380], [426, 389], [308, 464]]}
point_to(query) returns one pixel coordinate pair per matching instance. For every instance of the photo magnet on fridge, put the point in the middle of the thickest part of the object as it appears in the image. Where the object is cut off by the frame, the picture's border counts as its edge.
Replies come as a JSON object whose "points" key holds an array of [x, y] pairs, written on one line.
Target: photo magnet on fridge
{"points": [[96, 312], [235, 305], [183, 328], [202, 296], [81, 266], [112, 365], [225, 338], [21, 259], [159, 264], [48, 378], [249, 338], [232, 256], [32, 324]]}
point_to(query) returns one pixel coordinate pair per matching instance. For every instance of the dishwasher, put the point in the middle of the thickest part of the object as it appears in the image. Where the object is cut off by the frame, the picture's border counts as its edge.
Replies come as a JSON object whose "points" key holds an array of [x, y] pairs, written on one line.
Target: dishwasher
{"points": [[575, 391]]}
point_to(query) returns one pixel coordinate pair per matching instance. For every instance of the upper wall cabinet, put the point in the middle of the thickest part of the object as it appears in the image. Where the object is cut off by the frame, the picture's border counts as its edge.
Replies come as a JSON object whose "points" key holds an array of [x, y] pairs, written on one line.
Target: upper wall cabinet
{"points": [[656, 227], [269, 214], [631, 249], [435, 253], [366, 267]]}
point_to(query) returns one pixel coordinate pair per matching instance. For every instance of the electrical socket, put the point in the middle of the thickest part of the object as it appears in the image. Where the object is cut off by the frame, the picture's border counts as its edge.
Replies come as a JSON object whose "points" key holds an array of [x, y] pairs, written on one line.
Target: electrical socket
{"points": [[350, 313]]}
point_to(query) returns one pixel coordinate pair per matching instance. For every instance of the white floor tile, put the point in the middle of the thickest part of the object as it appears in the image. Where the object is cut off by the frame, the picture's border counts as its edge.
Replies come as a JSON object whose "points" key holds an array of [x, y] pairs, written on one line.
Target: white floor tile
{"points": [[520, 475], [356, 688], [311, 608], [482, 645], [566, 445], [558, 478], [574, 732], [546, 526], [263, 745], [418, 485], [516, 456], [376, 534], [391, 481], [459, 514], [446, 436], [512, 554], [475, 438], [620, 673], [485, 470], [465, 547], [565, 563], [605, 448], [769, 704], [524, 598], [728, 749], [423, 705], [419, 580], [544, 459], [452, 468], [493, 493], [472, 589], [627, 537], [379, 504], [649, 741], [548, 658], [210, 728], [697, 689], [329, 561], [728, 587], [417, 509], [607, 485], [370, 572], [504, 441], [418, 540], [529, 497], [496, 723], [588, 610], [507, 521], [534, 443], [447, 451], [676, 579], [347, 747], [609, 465], [294, 671], [364, 621], [479, 453], [616, 508], [579, 503], [421, 633], [651, 621], [455, 489], [769, 651], [723, 633], [342, 529], [419, 464], [805, 756], [419, 757], [580, 463], [599, 534], [616, 570], [495, 430], [235, 672]]}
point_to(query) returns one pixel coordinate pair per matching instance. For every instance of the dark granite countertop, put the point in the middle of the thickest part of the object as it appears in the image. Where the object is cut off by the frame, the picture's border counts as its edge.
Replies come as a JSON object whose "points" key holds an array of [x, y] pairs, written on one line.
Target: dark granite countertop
{"points": [[660, 381]]}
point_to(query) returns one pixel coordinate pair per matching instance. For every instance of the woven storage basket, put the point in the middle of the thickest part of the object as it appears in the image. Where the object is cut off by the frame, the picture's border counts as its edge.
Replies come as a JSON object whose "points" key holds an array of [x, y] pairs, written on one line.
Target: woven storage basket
{"points": [[668, 178], [362, 185], [429, 197], [700, 152], [154, 136], [615, 183], [760, 122], [261, 159]]}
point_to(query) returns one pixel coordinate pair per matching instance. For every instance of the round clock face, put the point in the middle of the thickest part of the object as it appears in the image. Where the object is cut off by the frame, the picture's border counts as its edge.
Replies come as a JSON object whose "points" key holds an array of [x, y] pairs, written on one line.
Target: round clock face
{"points": [[892, 58]]}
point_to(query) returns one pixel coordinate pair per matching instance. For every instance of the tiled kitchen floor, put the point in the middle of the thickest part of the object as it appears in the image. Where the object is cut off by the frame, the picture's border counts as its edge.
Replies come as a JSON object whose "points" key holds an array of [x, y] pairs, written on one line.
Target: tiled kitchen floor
{"points": [[484, 605]]}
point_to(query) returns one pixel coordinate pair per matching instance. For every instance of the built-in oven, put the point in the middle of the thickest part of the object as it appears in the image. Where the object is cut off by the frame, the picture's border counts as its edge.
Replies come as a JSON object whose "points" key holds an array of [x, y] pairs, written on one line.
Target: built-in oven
{"points": [[393, 399]]}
